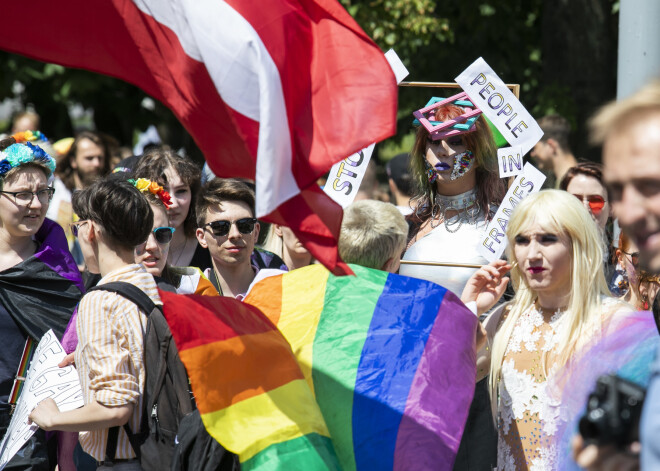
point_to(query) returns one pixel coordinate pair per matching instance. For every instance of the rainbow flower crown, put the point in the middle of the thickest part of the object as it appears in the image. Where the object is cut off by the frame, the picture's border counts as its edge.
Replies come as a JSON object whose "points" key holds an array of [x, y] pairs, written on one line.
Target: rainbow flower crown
{"points": [[148, 186], [22, 152]]}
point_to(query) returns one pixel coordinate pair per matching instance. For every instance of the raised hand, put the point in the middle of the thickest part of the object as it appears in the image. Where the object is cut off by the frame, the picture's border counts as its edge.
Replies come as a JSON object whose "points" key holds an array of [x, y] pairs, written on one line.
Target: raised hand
{"points": [[487, 285]]}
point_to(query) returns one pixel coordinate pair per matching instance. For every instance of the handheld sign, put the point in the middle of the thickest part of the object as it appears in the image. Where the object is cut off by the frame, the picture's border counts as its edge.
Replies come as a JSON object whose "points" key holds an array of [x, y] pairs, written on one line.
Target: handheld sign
{"points": [[493, 241], [493, 97], [345, 177], [44, 379], [510, 161]]}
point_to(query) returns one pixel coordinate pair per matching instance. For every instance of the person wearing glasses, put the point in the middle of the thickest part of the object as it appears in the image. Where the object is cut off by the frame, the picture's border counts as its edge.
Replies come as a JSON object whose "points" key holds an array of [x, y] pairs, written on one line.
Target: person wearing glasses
{"points": [[40, 284], [109, 357], [227, 227], [153, 252], [625, 283]]}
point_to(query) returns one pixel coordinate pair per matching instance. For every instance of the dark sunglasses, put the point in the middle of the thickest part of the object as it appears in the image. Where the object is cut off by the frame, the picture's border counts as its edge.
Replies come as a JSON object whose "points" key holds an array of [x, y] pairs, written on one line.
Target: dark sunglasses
{"points": [[596, 202], [221, 228], [634, 257], [163, 235]]}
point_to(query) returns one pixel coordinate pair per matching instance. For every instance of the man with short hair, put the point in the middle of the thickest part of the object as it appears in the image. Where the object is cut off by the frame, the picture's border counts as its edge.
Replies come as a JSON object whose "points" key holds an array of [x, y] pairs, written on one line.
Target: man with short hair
{"points": [[227, 227], [553, 153], [373, 234], [629, 131]]}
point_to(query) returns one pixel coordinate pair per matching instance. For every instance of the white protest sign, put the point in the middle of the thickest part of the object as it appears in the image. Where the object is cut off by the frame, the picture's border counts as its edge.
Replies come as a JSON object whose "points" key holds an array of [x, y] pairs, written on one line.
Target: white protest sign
{"points": [[500, 105], [346, 176], [510, 161], [44, 379], [493, 240]]}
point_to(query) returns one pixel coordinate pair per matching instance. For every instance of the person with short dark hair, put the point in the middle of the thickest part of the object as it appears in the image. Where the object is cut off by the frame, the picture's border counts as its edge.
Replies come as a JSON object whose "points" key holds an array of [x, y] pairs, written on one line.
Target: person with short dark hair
{"points": [[227, 227], [553, 152], [109, 357]]}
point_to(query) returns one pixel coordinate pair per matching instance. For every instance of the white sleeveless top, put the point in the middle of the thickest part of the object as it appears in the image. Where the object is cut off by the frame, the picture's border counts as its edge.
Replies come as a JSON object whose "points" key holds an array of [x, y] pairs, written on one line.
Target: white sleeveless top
{"points": [[440, 245]]}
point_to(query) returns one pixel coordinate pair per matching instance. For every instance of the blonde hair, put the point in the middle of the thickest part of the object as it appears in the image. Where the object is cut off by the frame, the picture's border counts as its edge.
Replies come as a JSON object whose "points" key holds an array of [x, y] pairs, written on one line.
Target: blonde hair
{"points": [[559, 212], [371, 233], [615, 115], [273, 243]]}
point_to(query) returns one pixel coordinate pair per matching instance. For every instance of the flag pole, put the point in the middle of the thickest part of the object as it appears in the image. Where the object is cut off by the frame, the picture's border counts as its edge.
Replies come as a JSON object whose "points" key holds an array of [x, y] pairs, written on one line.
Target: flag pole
{"points": [[514, 87], [440, 264]]}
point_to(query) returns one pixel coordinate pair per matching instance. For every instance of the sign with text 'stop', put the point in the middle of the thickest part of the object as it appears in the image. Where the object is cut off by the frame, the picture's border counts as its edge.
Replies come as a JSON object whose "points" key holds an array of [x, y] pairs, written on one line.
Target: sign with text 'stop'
{"points": [[487, 91]]}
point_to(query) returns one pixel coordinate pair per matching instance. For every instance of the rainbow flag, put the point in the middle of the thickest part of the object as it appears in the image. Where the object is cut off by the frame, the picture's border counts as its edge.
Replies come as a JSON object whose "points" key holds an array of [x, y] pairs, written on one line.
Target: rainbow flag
{"points": [[389, 359], [250, 391]]}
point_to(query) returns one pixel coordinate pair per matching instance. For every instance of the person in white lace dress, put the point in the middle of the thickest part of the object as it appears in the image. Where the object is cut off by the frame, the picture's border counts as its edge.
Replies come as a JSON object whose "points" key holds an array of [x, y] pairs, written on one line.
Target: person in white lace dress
{"points": [[561, 303]]}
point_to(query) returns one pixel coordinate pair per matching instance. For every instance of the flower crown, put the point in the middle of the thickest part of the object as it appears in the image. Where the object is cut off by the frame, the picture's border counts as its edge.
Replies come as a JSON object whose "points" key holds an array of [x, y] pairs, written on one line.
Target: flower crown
{"points": [[21, 154], [154, 188], [26, 136]]}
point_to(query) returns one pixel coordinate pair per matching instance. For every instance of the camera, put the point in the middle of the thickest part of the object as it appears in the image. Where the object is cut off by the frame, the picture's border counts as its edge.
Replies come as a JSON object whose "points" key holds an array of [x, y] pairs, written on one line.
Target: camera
{"points": [[613, 412]]}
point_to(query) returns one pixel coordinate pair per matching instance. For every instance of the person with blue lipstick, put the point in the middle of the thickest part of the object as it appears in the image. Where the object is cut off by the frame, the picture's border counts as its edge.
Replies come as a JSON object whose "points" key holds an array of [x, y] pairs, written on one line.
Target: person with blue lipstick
{"points": [[458, 190]]}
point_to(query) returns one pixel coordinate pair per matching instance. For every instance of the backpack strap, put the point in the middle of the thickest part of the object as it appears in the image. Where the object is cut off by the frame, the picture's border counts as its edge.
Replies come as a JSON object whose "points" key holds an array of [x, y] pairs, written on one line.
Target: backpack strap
{"points": [[130, 292], [144, 302]]}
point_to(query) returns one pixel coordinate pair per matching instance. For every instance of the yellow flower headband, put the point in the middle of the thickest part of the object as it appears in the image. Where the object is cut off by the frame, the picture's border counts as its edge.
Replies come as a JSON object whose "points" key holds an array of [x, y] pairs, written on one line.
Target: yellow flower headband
{"points": [[147, 186]]}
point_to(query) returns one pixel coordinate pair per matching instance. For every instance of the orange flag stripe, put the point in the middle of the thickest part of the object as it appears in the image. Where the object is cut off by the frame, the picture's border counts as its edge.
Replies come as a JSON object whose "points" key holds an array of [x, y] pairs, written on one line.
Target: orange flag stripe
{"points": [[239, 370]]}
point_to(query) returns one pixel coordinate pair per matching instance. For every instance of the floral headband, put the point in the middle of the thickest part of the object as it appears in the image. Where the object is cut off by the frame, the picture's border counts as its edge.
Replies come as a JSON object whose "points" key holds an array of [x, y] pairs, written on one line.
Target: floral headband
{"points": [[26, 136], [154, 188], [20, 154]]}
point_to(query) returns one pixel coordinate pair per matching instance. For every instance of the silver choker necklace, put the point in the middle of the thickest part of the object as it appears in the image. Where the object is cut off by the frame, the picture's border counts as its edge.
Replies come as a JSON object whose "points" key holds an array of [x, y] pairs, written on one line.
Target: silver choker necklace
{"points": [[465, 204]]}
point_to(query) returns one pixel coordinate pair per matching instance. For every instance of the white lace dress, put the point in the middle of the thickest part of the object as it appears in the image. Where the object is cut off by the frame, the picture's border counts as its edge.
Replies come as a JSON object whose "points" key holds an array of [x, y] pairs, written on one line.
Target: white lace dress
{"points": [[527, 419]]}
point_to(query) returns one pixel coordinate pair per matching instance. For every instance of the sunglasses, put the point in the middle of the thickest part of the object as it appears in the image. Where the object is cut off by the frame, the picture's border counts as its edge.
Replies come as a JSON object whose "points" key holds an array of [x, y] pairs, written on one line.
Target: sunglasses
{"points": [[222, 228], [634, 257], [596, 202], [163, 235]]}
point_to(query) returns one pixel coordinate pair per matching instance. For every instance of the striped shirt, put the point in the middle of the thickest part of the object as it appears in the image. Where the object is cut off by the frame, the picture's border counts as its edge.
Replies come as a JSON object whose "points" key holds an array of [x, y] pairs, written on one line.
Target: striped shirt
{"points": [[109, 356]]}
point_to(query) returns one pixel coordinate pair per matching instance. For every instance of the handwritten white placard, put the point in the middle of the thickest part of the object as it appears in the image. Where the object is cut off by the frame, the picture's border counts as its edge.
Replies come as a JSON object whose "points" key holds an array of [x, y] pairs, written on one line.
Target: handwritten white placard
{"points": [[493, 240], [345, 177], [44, 379], [510, 161], [487, 91]]}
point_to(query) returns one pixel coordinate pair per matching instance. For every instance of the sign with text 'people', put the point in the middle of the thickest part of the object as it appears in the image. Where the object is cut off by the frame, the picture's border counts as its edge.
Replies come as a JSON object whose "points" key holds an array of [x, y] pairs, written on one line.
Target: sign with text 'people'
{"points": [[487, 91], [493, 240]]}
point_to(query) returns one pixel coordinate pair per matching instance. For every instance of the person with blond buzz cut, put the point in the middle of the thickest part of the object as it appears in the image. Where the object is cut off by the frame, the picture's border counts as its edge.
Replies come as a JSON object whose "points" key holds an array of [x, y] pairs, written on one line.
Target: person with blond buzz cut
{"points": [[373, 234]]}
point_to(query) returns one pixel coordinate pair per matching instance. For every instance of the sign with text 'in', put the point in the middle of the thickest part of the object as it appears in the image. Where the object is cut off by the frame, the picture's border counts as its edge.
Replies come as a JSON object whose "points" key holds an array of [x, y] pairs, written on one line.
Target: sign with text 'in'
{"points": [[488, 92], [493, 240], [510, 161]]}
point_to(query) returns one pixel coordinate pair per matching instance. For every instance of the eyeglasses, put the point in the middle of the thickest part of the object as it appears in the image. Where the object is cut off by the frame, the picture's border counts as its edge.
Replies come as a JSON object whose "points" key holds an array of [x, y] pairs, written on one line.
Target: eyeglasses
{"points": [[634, 257], [163, 235], [24, 198], [75, 226], [221, 228], [596, 202]]}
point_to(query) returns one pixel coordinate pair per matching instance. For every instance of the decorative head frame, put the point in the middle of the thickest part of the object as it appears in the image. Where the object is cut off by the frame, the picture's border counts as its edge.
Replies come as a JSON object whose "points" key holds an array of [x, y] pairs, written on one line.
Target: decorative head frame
{"points": [[23, 152], [452, 127], [148, 186]]}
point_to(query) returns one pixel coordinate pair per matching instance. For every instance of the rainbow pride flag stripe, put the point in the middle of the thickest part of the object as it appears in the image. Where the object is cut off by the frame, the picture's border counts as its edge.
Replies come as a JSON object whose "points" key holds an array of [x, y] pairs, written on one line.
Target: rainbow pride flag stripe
{"points": [[19, 381], [250, 391], [390, 361]]}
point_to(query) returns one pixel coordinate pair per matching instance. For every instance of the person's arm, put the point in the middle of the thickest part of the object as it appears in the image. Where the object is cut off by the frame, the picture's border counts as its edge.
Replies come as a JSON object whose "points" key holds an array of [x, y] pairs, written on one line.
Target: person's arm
{"points": [[92, 416], [486, 286], [605, 458]]}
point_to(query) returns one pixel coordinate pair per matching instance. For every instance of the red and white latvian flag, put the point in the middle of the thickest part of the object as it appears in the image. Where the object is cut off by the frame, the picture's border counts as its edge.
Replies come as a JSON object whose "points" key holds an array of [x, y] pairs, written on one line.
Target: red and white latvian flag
{"points": [[274, 90]]}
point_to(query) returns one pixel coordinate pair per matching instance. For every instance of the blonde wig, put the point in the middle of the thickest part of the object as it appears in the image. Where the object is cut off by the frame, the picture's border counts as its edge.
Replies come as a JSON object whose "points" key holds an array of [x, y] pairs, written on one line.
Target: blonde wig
{"points": [[561, 213]]}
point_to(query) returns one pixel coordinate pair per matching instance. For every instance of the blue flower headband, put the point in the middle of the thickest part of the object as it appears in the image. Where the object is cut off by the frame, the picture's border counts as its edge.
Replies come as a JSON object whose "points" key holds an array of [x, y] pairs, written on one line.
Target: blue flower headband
{"points": [[20, 154]]}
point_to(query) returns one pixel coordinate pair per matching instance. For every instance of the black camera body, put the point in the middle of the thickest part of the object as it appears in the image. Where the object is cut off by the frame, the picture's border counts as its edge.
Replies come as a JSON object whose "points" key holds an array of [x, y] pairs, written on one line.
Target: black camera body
{"points": [[613, 412]]}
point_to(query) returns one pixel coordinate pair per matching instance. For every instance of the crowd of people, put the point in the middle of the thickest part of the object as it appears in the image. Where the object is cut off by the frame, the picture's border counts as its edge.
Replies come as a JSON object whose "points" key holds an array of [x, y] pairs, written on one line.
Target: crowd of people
{"points": [[582, 257]]}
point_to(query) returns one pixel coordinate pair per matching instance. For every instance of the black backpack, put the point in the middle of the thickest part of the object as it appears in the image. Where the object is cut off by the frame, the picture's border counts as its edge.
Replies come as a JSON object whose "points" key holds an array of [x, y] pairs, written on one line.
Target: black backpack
{"points": [[169, 409]]}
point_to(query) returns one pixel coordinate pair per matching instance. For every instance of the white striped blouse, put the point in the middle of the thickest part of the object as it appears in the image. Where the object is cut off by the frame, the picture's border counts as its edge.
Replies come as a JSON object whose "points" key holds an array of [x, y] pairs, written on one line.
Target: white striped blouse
{"points": [[109, 356]]}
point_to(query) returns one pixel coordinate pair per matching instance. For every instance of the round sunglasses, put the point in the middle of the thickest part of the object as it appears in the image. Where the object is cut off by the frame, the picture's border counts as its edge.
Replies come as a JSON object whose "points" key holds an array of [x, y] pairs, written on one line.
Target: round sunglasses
{"points": [[163, 235], [221, 228], [596, 202]]}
